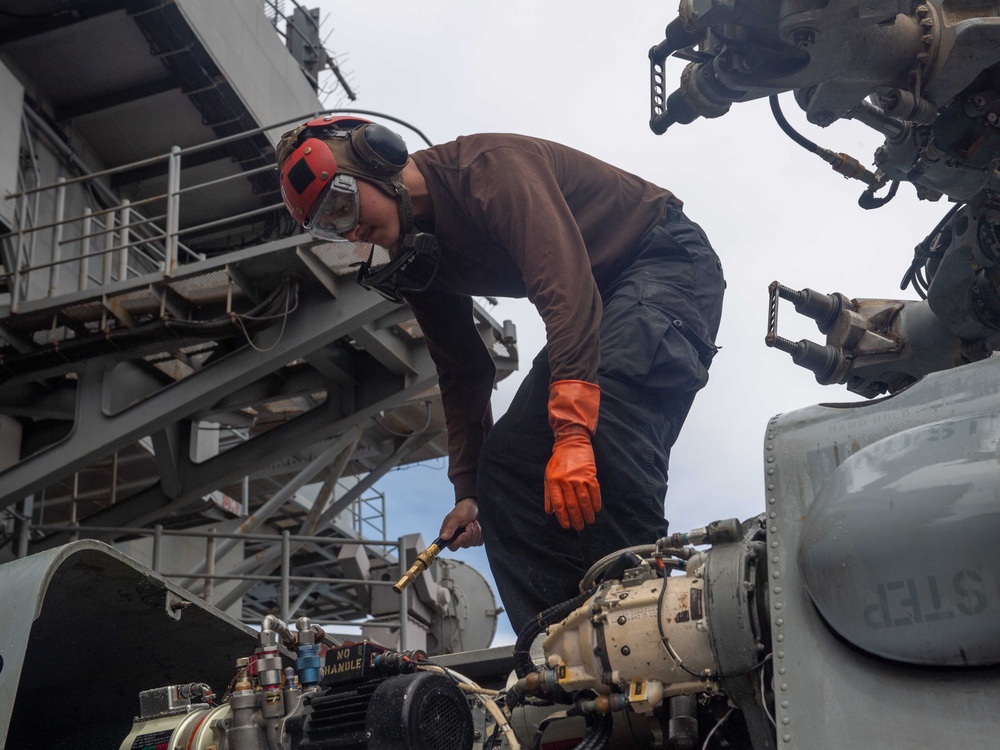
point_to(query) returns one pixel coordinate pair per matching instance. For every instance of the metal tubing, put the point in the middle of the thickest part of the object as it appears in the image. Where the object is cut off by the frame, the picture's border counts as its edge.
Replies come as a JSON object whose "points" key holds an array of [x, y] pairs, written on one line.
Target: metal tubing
{"points": [[109, 234], [366, 623], [301, 598], [57, 235], [81, 282], [25, 235], [286, 572], [123, 239], [227, 220], [157, 546], [22, 211], [404, 598], [39, 122], [223, 604], [173, 207], [107, 251], [99, 212], [235, 176], [141, 531], [282, 496], [27, 509], [209, 592]]}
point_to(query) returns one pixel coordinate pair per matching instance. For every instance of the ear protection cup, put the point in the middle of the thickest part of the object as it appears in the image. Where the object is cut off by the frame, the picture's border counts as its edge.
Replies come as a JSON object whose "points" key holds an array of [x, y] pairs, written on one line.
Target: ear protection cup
{"points": [[379, 149], [357, 147]]}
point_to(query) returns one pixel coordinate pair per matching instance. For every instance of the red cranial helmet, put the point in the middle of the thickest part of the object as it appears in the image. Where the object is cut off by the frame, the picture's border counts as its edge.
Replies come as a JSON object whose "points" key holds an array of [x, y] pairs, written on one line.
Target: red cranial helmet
{"points": [[320, 161]]}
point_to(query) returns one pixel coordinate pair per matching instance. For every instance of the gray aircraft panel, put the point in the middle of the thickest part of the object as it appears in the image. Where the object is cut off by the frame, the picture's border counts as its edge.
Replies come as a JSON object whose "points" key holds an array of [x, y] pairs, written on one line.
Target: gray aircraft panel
{"points": [[829, 693]]}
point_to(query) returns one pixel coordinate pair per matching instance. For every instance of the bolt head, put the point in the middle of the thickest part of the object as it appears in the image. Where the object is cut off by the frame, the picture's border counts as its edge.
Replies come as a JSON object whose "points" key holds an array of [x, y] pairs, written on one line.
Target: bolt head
{"points": [[803, 38]]}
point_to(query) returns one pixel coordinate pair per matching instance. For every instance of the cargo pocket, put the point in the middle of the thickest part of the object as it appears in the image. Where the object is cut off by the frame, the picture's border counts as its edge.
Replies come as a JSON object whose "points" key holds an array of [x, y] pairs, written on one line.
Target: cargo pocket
{"points": [[642, 345]]}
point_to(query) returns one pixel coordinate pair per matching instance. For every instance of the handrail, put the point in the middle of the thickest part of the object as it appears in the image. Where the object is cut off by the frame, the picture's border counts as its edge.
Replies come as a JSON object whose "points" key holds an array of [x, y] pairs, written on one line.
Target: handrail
{"points": [[119, 228], [285, 579]]}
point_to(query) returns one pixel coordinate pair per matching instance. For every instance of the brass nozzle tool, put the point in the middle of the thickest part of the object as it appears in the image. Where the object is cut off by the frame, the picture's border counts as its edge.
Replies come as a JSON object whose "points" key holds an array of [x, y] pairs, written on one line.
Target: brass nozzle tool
{"points": [[424, 560]]}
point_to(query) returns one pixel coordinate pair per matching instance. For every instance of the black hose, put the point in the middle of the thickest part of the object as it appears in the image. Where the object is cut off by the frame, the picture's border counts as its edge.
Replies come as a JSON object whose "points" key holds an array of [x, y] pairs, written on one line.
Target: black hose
{"points": [[598, 734], [787, 128], [921, 254], [523, 665], [868, 200]]}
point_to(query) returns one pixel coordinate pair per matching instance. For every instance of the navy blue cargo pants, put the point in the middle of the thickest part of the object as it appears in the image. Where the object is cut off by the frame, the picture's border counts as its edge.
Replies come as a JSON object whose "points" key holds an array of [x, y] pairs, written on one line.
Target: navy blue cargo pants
{"points": [[661, 317]]}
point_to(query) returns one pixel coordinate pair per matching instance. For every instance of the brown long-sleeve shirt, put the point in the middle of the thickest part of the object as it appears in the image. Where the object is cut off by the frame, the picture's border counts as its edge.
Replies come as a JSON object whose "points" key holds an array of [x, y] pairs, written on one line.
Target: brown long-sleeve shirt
{"points": [[521, 217]]}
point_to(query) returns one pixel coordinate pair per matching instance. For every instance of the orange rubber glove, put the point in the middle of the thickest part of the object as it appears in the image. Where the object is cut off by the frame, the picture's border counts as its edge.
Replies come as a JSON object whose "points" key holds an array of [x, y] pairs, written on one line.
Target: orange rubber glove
{"points": [[571, 488]]}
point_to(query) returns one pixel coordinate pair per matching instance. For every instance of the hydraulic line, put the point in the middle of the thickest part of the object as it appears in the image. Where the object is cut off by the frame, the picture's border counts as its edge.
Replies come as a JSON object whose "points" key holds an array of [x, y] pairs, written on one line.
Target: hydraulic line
{"points": [[599, 733], [522, 647], [643, 550], [922, 253], [843, 164]]}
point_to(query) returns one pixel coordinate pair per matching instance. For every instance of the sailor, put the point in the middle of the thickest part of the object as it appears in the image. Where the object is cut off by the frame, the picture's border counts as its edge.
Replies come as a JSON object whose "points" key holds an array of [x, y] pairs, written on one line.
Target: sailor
{"points": [[629, 290]]}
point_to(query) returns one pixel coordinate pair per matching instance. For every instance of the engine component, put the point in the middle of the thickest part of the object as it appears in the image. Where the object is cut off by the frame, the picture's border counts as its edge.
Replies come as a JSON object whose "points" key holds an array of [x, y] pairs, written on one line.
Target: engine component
{"points": [[363, 696], [423, 711], [167, 715], [633, 632], [922, 74], [644, 639]]}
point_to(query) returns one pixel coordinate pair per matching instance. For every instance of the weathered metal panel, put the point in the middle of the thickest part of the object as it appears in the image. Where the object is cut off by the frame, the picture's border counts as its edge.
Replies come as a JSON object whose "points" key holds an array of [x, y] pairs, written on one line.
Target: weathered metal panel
{"points": [[84, 629], [828, 693]]}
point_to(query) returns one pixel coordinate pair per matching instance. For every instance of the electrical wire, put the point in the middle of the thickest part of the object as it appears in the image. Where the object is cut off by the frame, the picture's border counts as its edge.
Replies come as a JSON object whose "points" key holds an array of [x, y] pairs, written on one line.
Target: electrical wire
{"points": [[394, 433], [718, 724], [353, 111], [536, 741], [124, 339], [491, 742], [238, 320], [763, 700], [485, 695], [708, 675], [666, 641], [915, 273]]}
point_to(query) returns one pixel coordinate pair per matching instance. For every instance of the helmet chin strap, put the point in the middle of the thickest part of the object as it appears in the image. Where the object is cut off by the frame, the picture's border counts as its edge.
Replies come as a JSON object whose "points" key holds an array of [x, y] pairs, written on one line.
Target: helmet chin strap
{"points": [[405, 209]]}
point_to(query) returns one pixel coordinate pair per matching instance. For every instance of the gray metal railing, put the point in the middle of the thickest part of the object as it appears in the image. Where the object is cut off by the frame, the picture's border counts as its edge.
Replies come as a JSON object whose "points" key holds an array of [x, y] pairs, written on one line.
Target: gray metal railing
{"points": [[127, 242], [284, 579]]}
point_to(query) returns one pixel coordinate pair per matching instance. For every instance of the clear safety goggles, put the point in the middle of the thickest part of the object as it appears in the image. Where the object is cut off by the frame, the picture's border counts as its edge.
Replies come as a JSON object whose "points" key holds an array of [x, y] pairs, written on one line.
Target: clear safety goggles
{"points": [[336, 210]]}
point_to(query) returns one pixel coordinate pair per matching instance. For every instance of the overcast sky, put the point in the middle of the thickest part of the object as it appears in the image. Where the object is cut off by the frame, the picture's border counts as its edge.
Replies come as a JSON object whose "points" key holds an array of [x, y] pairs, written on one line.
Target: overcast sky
{"points": [[577, 72]]}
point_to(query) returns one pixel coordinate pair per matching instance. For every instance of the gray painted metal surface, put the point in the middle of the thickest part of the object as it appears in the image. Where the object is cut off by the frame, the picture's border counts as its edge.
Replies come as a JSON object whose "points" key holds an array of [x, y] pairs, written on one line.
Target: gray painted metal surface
{"points": [[84, 629], [242, 42], [829, 694], [899, 550]]}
